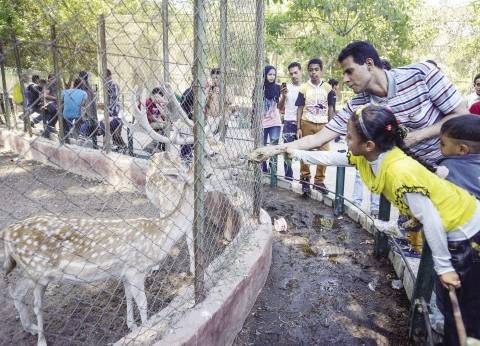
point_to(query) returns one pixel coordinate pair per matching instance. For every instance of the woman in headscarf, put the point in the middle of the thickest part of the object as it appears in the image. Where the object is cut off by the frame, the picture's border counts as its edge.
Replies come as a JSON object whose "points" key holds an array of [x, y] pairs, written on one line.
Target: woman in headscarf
{"points": [[273, 100]]}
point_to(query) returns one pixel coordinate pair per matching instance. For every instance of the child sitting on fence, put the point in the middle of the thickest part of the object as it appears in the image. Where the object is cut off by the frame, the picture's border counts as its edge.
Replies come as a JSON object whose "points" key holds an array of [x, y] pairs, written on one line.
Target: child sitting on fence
{"points": [[450, 215], [460, 144]]}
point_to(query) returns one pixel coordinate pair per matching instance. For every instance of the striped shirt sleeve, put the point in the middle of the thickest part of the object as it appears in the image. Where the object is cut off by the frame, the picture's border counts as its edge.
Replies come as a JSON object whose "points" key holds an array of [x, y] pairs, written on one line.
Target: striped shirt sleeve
{"points": [[442, 92], [339, 121]]}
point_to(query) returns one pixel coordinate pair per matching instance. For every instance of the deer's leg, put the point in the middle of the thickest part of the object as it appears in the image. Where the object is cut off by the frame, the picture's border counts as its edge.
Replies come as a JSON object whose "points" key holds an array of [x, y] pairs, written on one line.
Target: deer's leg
{"points": [[137, 288], [129, 298], [18, 295], [228, 232], [38, 293]]}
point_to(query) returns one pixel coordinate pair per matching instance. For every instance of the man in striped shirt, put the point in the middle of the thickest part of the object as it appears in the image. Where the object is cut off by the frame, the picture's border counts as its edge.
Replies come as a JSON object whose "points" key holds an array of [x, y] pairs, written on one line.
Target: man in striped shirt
{"points": [[419, 95]]}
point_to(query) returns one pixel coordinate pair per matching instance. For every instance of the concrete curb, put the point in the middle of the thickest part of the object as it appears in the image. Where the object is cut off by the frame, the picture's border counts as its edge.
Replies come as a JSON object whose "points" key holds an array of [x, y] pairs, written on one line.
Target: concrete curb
{"points": [[115, 169], [232, 293]]}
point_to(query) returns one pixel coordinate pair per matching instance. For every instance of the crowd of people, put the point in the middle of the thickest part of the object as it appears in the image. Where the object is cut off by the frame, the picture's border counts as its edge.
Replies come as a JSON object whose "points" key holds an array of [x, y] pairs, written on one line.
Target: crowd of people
{"points": [[79, 104], [411, 138]]}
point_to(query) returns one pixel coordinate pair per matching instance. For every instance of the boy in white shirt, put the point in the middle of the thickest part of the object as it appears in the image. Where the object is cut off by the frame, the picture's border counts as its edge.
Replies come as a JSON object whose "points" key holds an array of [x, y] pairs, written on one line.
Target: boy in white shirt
{"points": [[290, 117]]}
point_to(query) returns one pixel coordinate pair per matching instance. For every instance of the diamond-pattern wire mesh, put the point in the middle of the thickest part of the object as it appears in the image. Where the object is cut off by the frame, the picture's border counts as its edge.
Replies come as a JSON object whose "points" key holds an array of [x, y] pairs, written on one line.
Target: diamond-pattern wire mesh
{"points": [[56, 218]]}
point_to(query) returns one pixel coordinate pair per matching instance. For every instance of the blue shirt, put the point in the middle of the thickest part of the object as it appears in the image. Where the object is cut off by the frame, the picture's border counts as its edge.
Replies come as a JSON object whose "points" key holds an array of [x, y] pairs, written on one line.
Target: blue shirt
{"points": [[464, 171], [72, 100]]}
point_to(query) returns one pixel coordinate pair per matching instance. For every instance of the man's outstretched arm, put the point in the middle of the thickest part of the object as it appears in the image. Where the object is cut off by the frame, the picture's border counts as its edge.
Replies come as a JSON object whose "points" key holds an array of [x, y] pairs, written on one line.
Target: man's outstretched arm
{"points": [[305, 143], [325, 135]]}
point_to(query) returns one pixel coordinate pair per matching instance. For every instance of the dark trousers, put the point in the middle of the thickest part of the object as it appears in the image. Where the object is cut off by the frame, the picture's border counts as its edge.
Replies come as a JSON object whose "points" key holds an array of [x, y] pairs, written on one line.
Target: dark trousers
{"points": [[50, 118], [289, 135], [186, 153], [466, 262]]}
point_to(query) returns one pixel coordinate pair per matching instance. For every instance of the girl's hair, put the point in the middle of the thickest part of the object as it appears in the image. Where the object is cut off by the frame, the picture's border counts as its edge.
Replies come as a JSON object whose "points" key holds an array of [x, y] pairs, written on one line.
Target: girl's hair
{"points": [[379, 125], [464, 127]]}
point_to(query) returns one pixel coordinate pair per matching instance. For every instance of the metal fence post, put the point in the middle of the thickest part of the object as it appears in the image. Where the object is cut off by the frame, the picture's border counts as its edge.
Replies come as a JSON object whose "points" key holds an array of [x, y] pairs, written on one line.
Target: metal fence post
{"points": [[165, 48], [107, 138], [223, 69], [381, 246], [26, 112], [166, 58], [339, 207], [199, 78], [58, 81], [6, 100], [258, 101]]}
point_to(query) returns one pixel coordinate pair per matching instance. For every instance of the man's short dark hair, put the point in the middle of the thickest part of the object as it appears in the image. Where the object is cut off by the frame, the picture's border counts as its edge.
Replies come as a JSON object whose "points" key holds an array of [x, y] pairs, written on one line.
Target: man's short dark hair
{"points": [[109, 73], [35, 78], [77, 82], [294, 64], [386, 64], [333, 82], [360, 51], [315, 61], [476, 77]]}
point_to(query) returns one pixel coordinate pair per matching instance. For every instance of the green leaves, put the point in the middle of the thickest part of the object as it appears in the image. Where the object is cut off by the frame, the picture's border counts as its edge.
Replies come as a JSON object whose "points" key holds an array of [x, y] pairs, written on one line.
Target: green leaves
{"points": [[323, 27]]}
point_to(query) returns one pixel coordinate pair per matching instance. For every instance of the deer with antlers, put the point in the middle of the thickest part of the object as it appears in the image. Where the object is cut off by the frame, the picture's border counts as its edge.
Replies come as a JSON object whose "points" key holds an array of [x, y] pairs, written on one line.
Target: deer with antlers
{"points": [[49, 249]]}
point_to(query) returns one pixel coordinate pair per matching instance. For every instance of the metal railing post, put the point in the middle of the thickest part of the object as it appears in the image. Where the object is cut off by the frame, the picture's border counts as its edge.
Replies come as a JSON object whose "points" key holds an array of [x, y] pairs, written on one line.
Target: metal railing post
{"points": [[384, 209], [381, 245], [223, 68], [422, 290], [26, 111], [107, 138], [6, 100], [339, 206], [258, 101], [58, 81], [166, 59]]}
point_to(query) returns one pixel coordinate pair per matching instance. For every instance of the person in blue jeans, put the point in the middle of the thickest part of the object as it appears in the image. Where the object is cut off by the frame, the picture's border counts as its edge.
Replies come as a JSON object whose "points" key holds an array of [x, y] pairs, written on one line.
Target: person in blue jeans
{"points": [[273, 100], [290, 115], [74, 103]]}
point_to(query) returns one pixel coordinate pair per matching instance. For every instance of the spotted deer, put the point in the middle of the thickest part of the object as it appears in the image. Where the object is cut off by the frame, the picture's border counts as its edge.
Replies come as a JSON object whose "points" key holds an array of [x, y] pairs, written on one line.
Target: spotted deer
{"points": [[54, 249]]}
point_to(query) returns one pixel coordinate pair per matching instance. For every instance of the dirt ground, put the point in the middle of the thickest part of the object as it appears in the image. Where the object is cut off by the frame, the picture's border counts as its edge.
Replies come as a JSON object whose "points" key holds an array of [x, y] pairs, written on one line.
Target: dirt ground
{"points": [[317, 292], [81, 314]]}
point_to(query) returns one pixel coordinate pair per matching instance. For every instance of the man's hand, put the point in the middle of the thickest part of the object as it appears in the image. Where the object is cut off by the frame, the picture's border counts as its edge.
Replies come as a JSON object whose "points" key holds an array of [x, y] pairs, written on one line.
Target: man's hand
{"points": [[450, 279], [284, 90], [299, 133], [289, 152], [411, 139]]}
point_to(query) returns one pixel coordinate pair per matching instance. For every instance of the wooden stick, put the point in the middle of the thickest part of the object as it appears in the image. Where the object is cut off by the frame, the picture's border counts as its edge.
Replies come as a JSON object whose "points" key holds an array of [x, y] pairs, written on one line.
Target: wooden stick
{"points": [[457, 314]]}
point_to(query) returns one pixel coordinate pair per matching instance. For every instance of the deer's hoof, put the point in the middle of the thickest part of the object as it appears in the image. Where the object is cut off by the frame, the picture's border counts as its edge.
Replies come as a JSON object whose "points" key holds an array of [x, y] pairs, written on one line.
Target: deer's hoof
{"points": [[32, 329], [132, 326]]}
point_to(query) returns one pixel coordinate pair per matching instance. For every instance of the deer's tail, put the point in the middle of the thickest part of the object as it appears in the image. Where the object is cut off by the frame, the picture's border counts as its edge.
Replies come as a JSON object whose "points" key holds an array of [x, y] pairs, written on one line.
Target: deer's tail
{"points": [[9, 262]]}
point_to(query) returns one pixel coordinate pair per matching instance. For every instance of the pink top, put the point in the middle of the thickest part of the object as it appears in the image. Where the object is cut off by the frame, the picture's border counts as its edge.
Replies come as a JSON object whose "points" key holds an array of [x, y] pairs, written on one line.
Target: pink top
{"points": [[271, 115]]}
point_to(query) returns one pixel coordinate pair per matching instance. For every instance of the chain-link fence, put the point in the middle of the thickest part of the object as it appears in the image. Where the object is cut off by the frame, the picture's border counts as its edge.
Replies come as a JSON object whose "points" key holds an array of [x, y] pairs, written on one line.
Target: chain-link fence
{"points": [[114, 99]]}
